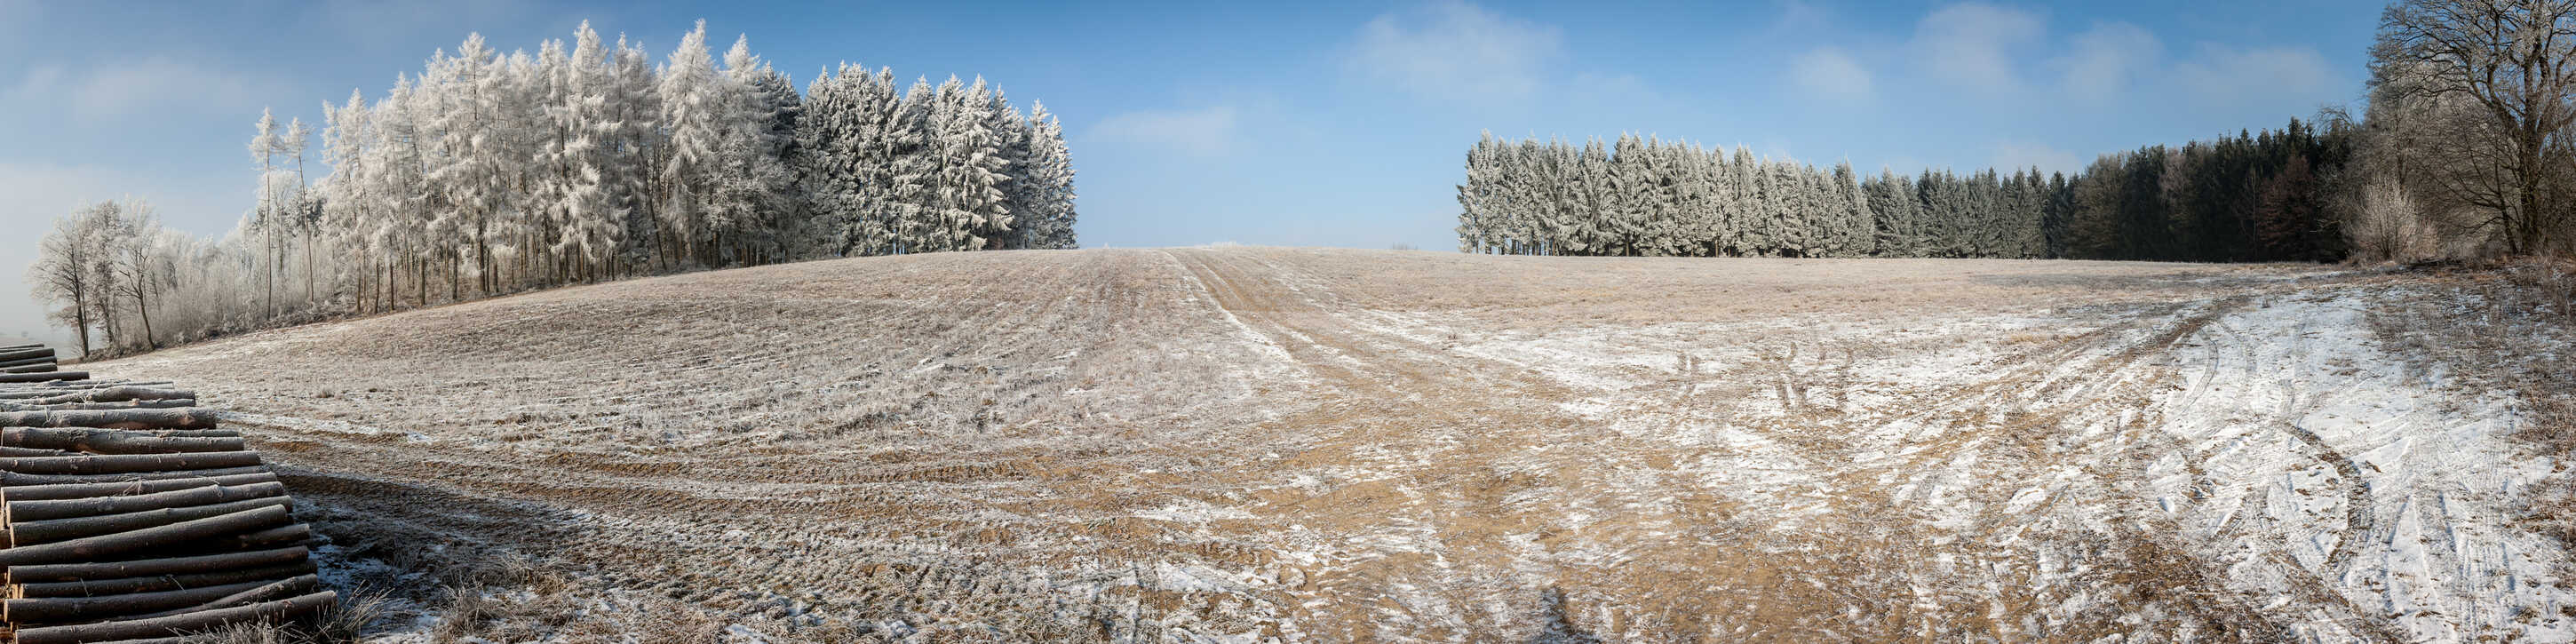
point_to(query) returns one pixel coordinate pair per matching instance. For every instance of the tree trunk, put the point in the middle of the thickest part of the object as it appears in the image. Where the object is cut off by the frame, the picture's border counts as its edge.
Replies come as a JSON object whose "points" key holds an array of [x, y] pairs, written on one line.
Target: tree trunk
{"points": [[113, 419], [114, 442], [103, 546], [130, 488], [287, 609], [23, 533], [128, 463]]}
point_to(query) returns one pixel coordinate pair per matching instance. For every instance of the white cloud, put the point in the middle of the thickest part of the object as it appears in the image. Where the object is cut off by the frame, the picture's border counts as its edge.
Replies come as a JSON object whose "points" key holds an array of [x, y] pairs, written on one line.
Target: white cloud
{"points": [[2016, 155], [1202, 132], [1455, 51], [1973, 44], [1829, 73], [2231, 76], [105, 91], [2106, 60]]}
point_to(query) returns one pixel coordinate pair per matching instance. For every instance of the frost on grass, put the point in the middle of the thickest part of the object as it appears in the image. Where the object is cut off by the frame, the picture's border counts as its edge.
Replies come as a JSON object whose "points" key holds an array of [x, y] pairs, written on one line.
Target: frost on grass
{"points": [[1240, 444]]}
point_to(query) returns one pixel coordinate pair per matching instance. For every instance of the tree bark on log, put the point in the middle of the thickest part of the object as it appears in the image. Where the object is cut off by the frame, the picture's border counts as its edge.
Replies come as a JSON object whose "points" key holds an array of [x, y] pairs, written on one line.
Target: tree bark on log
{"points": [[22, 354], [13, 452], [16, 479], [74, 385], [99, 406], [98, 547], [114, 419], [279, 589], [36, 367], [61, 610], [114, 441], [47, 376], [157, 583], [296, 534], [285, 609], [21, 362], [73, 572], [20, 511], [112, 394], [127, 463], [127, 488], [25, 533]]}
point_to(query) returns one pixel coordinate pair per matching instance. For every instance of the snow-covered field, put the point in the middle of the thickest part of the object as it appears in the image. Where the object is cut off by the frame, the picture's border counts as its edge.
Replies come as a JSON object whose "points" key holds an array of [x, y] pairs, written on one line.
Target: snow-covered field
{"points": [[1246, 444]]}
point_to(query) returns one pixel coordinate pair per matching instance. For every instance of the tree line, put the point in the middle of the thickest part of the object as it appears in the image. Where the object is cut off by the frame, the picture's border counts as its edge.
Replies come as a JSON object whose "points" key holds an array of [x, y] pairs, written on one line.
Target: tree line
{"points": [[2466, 151], [2246, 198], [489, 173]]}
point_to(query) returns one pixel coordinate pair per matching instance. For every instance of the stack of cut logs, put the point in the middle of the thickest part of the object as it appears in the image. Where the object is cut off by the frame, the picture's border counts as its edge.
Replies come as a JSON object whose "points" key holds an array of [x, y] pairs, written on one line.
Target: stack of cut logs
{"points": [[131, 518]]}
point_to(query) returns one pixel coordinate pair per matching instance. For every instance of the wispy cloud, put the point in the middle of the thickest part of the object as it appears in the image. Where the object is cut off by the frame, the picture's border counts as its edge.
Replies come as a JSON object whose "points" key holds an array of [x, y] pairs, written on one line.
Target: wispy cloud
{"points": [[1455, 51], [2107, 59], [105, 91], [2019, 155], [2229, 76], [1831, 74], [1201, 132], [1973, 44]]}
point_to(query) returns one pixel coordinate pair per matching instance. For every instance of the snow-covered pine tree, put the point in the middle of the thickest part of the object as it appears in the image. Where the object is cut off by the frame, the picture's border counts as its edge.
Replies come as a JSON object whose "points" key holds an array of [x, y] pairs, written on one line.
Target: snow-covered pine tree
{"points": [[1749, 212], [748, 181], [1476, 196], [967, 196], [695, 108], [635, 152], [1050, 180], [1622, 221], [1011, 135]]}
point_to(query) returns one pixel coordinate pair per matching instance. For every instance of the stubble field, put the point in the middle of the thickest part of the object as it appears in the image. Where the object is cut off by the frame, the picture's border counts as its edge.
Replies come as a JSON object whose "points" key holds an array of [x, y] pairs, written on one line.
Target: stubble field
{"points": [[1248, 444]]}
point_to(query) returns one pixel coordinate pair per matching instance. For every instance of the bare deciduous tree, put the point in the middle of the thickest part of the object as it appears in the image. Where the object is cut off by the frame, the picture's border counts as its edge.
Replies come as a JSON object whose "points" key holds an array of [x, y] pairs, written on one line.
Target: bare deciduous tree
{"points": [[2511, 64]]}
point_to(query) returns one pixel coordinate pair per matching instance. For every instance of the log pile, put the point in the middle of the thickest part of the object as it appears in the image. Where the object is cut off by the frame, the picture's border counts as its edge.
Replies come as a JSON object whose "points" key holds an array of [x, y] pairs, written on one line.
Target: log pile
{"points": [[127, 515]]}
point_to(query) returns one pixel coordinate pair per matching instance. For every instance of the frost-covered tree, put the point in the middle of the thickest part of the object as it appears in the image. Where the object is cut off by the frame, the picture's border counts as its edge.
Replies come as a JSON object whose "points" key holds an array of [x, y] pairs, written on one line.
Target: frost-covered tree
{"points": [[1048, 182], [577, 162]]}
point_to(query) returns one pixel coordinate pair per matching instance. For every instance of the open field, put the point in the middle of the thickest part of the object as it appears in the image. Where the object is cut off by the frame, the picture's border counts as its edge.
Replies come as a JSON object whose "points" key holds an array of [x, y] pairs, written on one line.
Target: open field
{"points": [[1238, 444]]}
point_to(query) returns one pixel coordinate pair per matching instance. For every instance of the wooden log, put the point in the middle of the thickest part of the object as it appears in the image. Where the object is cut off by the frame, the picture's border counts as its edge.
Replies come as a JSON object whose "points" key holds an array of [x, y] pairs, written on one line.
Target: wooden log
{"points": [[6, 451], [74, 572], [59, 610], [297, 608], [161, 582], [102, 546], [44, 376], [13, 480], [101, 406], [278, 537], [22, 354], [114, 419], [30, 345], [117, 393], [24, 533], [127, 463], [125, 488], [39, 367], [114, 441], [69, 385], [16, 479], [21, 511], [40, 359], [278, 589]]}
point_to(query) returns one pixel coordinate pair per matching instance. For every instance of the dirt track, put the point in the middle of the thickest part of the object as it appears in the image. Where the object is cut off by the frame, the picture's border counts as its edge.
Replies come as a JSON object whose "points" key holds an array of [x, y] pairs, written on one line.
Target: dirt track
{"points": [[1352, 445]]}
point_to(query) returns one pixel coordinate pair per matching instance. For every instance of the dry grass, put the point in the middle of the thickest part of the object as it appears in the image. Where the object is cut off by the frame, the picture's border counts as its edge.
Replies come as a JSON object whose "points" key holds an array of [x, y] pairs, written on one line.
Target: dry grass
{"points": [[1309, 445], [2511, 329]]}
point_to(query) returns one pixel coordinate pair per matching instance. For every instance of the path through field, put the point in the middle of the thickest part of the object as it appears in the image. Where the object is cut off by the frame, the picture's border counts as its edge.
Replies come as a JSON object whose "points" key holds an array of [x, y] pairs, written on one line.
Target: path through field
{"points": [[1246, 444]]}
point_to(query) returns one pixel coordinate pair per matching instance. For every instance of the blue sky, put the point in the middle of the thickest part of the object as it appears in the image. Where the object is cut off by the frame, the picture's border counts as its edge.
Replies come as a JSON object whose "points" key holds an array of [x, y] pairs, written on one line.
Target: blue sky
{"points": [[1323, 123]]}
